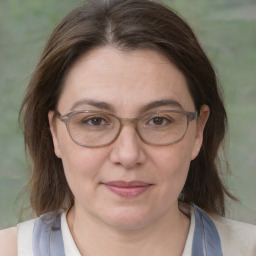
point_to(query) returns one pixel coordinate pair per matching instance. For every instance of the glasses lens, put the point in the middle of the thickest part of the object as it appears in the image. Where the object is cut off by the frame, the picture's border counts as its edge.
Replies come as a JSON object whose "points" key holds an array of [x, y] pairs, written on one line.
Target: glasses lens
{"points": [[163, 127], [93, 129]]}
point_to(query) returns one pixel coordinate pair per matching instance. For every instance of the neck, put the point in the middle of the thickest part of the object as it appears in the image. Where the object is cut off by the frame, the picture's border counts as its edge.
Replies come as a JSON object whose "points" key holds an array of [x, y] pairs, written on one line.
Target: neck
{"points": [[165, 236]]}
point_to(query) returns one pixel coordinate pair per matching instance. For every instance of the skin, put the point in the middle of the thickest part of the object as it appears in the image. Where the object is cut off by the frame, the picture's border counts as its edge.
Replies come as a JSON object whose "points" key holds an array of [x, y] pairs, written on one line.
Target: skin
{"points": [[150, 223], [8, 241]]}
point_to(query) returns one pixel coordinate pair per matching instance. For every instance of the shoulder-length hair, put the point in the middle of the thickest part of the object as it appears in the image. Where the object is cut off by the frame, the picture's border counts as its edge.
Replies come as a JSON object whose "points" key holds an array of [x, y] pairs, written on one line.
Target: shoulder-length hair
{"points": [[127, 25]]}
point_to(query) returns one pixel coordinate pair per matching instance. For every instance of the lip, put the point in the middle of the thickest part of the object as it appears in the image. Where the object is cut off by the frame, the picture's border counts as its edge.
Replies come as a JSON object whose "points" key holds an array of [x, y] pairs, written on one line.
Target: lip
{"points": [[128, 189]]}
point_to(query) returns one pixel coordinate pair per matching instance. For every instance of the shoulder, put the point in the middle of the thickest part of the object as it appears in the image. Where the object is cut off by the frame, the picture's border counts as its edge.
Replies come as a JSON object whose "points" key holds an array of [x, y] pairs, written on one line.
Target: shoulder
{"points": [[237, 238], [17, 240], [8, 241]]}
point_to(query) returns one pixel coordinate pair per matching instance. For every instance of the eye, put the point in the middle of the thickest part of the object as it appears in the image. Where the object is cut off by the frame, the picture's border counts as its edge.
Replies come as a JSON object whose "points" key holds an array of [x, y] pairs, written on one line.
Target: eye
{"points": [[95, 121], [159, 121]]}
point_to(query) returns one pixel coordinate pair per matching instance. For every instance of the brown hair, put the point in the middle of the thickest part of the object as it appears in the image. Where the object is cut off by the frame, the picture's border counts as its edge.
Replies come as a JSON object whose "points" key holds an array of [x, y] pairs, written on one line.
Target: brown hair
{"points": [[127, 25]]}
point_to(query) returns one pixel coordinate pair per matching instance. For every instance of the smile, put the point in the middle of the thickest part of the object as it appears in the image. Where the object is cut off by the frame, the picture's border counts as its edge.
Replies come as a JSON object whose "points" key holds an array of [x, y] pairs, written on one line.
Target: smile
{"points": [[128, 189]]}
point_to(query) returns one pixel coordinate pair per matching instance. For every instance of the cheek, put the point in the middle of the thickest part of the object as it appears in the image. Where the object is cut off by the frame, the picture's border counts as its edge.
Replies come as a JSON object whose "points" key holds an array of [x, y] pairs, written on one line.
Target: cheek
{"points": [[175, 159], [81, 169], [173, 163], [75, 159], [78, 161], [81, 166]]}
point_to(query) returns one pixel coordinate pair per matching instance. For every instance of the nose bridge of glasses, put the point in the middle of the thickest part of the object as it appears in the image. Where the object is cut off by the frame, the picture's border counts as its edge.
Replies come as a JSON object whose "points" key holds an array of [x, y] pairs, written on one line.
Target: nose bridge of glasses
{"points": [[128, 121]]}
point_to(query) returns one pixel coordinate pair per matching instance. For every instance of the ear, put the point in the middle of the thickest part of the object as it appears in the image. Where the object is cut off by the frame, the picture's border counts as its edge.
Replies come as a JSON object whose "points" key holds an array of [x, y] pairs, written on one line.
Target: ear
{"points": [[201, 122], [54, 133]]}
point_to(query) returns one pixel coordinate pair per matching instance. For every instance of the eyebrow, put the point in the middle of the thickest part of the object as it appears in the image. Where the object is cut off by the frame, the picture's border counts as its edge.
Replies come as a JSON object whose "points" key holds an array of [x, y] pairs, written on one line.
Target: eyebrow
{"points": [[95, 103], [161, 103], [107, 106]]}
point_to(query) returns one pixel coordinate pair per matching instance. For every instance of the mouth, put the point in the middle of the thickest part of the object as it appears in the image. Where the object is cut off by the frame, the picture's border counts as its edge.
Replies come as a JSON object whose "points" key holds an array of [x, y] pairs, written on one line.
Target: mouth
{"points": [[128, 189]]}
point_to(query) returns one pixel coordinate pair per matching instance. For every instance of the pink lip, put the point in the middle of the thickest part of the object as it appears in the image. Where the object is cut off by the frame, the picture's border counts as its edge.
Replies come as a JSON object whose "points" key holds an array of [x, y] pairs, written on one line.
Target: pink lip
{"points": [[127, 189]]}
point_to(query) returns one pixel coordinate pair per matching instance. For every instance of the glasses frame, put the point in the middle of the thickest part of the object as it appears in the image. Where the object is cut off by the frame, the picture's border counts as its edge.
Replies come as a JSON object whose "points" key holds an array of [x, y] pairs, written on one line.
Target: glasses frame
{"points": [[66, 119]]}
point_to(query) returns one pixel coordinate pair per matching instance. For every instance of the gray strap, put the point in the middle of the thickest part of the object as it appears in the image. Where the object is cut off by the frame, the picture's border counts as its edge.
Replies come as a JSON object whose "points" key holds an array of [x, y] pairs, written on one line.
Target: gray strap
{"points": [[47, 236], [206, 241]]}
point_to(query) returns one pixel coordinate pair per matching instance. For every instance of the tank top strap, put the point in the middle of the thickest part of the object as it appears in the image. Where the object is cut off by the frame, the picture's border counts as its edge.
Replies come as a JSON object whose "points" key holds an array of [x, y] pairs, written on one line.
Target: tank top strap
{"points": [[47, 236], [206, 241]]}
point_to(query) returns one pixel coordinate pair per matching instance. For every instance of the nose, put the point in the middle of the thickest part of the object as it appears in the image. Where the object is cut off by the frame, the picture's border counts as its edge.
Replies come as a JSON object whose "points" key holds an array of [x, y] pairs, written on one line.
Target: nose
{"points": [[128, 150]]}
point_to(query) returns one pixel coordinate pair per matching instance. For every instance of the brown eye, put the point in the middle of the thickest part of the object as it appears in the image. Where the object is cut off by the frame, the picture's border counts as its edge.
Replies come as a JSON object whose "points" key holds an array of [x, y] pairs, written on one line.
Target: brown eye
{"points": [[158, 120], [96, 121]]}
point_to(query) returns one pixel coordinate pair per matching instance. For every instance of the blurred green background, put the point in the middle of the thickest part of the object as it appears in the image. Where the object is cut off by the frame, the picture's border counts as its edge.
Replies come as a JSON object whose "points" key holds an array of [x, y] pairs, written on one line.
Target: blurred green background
{"points": [[226, 30]]}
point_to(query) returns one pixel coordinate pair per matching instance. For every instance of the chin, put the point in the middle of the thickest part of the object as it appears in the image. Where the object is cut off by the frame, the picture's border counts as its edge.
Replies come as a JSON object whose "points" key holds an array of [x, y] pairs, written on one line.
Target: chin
{"points": [[127, 219]]}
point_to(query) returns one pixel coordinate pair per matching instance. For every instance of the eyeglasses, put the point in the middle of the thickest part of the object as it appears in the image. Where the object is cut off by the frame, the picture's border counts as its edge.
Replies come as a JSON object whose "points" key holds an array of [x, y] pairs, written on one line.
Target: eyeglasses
{"points": [[96, 128]]}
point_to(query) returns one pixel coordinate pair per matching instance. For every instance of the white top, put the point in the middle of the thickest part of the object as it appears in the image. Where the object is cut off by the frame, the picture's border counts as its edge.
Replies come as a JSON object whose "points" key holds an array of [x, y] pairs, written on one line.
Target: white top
{"points": [[237, 238]]}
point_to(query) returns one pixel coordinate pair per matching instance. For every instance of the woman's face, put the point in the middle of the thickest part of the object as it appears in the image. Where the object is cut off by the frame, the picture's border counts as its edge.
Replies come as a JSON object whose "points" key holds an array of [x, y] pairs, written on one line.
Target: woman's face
{"points": [[127, 184]]}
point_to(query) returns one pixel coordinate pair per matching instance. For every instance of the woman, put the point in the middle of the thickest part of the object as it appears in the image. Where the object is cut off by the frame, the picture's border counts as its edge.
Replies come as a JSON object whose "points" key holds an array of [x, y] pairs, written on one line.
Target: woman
{"points": [[123, 120]]}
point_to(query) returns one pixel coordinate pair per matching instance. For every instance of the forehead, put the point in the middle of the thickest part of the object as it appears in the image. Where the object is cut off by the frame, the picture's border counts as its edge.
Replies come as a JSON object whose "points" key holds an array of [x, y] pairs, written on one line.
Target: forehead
{"points": [[124, 80]]}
